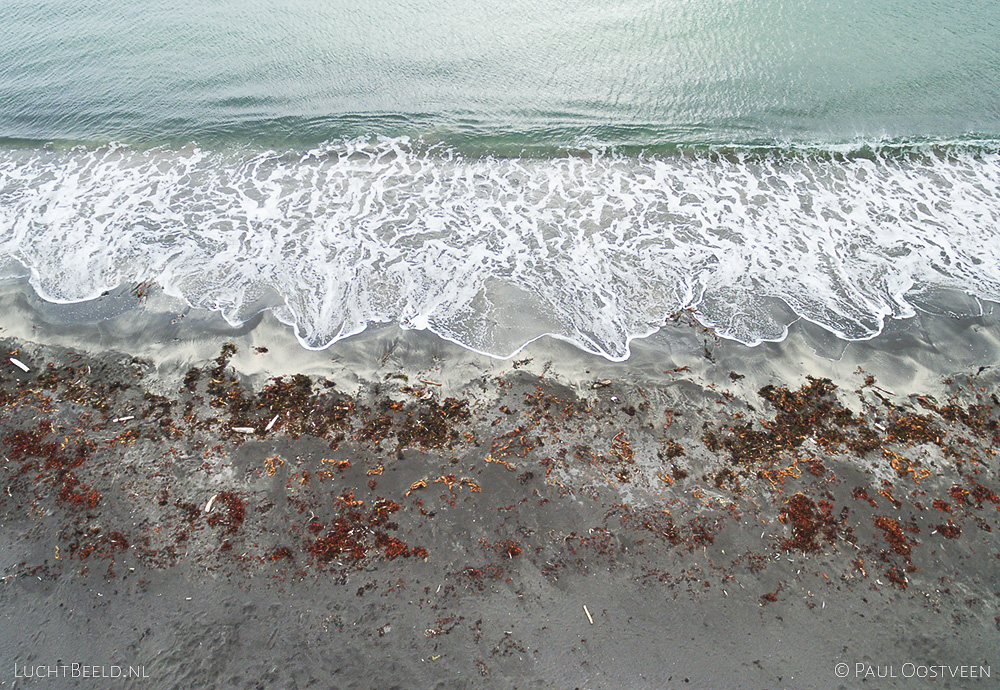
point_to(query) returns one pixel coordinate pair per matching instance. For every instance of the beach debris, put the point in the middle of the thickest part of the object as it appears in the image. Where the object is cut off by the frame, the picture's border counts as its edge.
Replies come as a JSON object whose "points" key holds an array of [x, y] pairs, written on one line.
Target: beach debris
{"points": [[812, 523], [235, 512], [419, 484], [432, 426], [475, 488], [141, 290], [771, 459], [509, 466], [347, 498], [507, 547], [272, 464], [19, 364]]}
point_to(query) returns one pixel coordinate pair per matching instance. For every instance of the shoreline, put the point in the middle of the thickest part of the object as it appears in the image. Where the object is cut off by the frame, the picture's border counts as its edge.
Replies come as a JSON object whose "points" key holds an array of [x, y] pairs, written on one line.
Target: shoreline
{"points": [[144, 321], [399, 510]]}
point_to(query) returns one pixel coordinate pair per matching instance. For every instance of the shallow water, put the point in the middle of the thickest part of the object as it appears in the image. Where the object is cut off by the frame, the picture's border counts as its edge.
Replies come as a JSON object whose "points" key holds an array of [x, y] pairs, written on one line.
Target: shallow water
{"points": [[490, 252]]}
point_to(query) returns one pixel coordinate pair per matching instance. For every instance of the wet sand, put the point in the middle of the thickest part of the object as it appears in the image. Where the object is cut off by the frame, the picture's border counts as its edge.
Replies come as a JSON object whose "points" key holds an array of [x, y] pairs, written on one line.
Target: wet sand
{"points": [[227, 509]]}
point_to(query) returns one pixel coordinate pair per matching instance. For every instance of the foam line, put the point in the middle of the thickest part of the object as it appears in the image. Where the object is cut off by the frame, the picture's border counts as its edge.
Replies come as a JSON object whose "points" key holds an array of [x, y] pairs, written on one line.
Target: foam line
{"points": [[492, 252]]}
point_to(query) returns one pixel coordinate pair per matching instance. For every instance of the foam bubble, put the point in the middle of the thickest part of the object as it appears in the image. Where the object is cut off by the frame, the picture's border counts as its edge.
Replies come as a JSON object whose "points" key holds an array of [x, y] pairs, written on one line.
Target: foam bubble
{"points": [[493, 252]]}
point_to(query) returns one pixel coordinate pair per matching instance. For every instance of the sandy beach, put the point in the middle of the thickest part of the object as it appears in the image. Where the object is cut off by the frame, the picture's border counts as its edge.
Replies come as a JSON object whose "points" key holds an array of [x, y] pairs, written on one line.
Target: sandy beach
{"points": [[221, 507], [498, 345]]}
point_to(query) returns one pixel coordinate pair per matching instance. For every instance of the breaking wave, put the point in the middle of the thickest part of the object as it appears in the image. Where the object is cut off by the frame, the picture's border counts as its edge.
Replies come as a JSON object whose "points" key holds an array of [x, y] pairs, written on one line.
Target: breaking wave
{"points": [[594, 247]]}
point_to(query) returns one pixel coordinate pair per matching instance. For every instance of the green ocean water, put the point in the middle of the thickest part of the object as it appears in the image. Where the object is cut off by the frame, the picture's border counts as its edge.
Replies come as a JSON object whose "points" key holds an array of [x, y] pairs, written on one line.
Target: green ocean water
{"points": [[539, 73]]}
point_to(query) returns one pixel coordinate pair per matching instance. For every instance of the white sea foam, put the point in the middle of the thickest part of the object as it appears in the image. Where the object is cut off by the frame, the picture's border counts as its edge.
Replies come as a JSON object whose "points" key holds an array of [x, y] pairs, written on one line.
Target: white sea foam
{"points": [[493, 252]]}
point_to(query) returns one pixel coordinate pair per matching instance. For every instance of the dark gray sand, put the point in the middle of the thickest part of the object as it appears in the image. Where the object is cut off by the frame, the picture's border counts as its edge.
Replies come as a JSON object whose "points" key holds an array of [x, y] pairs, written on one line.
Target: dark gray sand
{"points": [[398, 512]]}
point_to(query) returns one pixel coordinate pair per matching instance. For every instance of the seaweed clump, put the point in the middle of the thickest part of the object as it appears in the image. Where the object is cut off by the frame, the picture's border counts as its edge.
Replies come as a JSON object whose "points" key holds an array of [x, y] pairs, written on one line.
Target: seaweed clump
{"points": [[235, 512], [54, 463], [812, 411], [913, 428], [433, 425], [895, 534], [811, 522], [354, 534]]}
